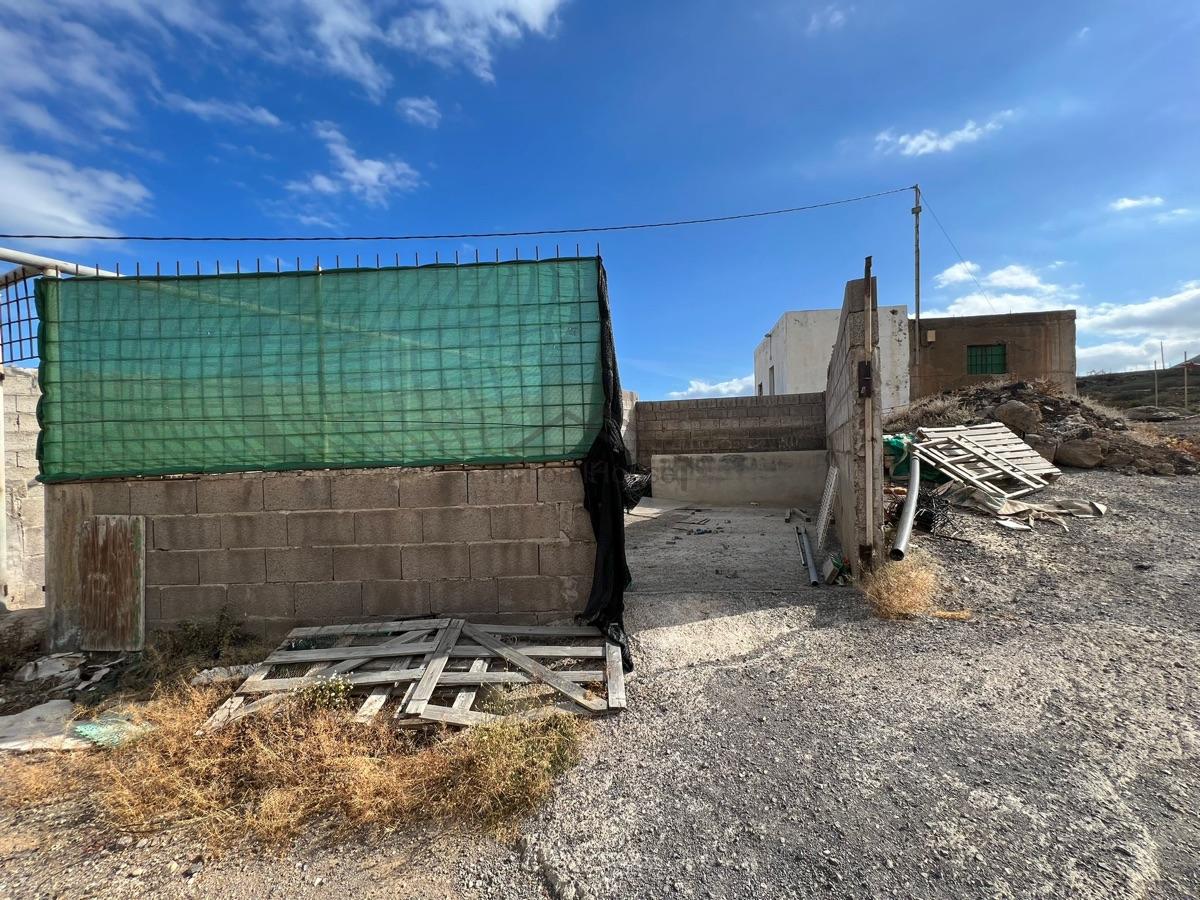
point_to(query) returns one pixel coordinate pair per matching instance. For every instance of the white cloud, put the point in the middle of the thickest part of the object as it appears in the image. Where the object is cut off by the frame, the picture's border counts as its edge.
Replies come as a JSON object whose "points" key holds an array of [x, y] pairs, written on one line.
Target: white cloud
{"points": [[421, 111], [373, 181], [829, 18], [734, 387], [1111, 336], [46, 194], [222, 110], [1126, 203], [1179, 214], [958, 273], [467, 32], [931, 141]]}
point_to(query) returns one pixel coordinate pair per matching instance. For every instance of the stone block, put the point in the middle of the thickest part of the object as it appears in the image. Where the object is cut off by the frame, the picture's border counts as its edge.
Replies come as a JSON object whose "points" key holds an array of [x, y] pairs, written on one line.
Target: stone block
{"points": [[559, 484], [431, 562], [309, 564], [531, 520], [266, 529], [110, 498], [455, 523], [493, 487], [191, 602], [172, 567], [168, 497], [529, 593], [262, 600], [229, 495], [186, 532], [232, 567], [320, 528], [387, 526], [296, 492], [377, 490], [398, 599], [367, 563], [462, 596], [423, 488], [496, 559], [328, 599], [152, 604], [567, 558]]}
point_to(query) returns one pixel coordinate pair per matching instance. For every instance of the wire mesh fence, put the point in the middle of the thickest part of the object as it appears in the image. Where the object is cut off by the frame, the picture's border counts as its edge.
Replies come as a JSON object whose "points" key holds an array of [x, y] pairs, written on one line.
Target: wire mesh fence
{"points": [[418, 365]]}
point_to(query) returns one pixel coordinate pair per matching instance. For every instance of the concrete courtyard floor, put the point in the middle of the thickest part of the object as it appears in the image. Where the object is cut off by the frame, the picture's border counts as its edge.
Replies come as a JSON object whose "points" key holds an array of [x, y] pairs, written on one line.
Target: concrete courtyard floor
{"points": [[780, 742]]}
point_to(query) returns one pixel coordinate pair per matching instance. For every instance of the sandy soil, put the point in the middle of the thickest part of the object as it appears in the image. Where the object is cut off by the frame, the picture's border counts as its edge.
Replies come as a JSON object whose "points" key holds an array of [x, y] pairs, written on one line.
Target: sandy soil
{"points": [[781, 743]]}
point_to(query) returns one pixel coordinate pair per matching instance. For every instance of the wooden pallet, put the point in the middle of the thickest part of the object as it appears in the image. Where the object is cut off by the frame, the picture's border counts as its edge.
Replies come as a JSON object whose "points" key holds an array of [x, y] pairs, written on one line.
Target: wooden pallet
{"points": [[431, 670], [990, 457]]}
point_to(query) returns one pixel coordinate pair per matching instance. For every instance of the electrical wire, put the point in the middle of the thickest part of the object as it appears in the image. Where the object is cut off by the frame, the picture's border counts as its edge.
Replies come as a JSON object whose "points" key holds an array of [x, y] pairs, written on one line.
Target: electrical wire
{"points": [[597, 229], [966, 265]]}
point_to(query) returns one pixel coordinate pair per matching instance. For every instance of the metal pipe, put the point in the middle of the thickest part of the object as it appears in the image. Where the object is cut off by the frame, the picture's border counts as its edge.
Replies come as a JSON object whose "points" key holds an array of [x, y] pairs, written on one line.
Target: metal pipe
{"points": [[909, 512], [21, 258], [806, 551]]}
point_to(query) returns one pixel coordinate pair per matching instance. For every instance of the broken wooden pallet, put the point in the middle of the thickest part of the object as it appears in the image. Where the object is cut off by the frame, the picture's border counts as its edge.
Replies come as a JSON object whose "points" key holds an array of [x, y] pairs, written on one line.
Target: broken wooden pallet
{"points": [[990, 457], [431, 670]]}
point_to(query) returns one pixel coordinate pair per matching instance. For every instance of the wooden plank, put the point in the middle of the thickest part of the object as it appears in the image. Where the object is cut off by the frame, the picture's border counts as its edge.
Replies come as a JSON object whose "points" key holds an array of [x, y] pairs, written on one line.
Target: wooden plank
{"points": [[454, 716], [543, 630], [403, 676], [320, 668], [222, 713], [996, 460], [386, 650], [447, 638], [379, 695], [337, 654], [534, 668], [370, 627], [396, 645], [615, 672], [937, 460], [466, 697], [112, 591]]}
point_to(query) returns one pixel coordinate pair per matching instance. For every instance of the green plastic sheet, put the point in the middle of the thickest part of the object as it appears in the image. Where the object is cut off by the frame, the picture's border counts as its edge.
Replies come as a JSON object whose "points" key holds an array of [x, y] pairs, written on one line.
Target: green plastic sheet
{"points": [[409, 366]]}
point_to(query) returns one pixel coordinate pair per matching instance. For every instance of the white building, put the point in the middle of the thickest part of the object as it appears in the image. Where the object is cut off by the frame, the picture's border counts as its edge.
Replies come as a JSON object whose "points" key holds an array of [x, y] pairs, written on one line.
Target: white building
{"points": [[793, 358]]}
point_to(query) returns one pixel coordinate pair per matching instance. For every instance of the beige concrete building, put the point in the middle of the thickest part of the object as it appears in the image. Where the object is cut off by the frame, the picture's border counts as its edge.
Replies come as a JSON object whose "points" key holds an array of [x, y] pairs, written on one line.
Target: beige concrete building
{"points": [[956, 351]]}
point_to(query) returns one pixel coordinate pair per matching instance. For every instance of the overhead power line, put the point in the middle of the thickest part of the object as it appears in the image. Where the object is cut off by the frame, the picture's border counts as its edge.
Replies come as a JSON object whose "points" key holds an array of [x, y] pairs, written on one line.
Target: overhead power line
{"points": [[966, 265], [592, 229]]}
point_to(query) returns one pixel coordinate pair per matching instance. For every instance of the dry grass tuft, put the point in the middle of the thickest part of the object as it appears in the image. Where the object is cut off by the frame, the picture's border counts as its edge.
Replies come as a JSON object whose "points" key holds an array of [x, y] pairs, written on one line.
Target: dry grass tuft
{"points": [[1101, 410], [275, 776], [907, 589], [38, 779], [936, 411]]}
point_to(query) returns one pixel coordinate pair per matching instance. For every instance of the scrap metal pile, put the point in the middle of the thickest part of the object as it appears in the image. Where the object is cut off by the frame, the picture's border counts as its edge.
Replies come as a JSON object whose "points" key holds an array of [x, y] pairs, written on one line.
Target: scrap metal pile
{"points": [[433, 670]]}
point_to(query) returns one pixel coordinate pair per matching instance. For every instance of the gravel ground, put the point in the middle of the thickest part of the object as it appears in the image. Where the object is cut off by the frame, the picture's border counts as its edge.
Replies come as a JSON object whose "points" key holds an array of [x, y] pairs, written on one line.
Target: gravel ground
{"points": [[781, 743]]}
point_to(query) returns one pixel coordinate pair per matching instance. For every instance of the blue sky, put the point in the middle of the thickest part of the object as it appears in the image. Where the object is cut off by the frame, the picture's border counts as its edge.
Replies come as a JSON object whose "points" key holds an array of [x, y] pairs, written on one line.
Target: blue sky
{"points": [[1058, 142]]}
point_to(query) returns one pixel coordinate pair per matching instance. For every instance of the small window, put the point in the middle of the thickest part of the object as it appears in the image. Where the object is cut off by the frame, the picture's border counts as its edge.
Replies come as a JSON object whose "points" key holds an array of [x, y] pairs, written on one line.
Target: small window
{"points": [[771, 379], [986, 359], [760, 389]]}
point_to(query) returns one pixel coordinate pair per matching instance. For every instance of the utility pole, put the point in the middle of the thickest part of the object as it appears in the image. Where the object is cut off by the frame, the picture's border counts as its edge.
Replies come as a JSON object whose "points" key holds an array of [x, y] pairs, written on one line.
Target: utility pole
{"points": [[916, 211], [1185, 368], [1156, 384]]}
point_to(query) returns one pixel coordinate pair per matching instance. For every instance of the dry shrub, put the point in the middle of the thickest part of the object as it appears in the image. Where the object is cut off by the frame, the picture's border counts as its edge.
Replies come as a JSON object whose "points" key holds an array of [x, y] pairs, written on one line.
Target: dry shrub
{"points": [[40, 778], [1101, 410], [937, 411], [907, 589], [270, 777]]}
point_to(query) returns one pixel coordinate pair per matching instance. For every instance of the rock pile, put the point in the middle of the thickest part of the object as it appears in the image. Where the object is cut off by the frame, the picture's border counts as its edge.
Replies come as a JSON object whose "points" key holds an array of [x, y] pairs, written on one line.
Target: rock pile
{"points": [[1065, 429]]}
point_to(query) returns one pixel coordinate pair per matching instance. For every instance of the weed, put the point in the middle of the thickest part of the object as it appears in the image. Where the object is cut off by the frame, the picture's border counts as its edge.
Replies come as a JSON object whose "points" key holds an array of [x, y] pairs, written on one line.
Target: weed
{"points": [[272, 777], [324, 693], [907, 589], [937, 411]]}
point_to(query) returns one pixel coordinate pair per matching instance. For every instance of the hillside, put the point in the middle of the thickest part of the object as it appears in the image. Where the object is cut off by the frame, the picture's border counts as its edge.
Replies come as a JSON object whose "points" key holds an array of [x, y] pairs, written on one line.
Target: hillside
{"points": [[1125, 389]]}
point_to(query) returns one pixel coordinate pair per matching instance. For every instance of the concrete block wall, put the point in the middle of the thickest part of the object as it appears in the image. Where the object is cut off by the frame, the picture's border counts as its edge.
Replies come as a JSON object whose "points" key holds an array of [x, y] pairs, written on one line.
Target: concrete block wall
{"points": [[730, 425], [23, 495], [280, 549], [855, 447]]}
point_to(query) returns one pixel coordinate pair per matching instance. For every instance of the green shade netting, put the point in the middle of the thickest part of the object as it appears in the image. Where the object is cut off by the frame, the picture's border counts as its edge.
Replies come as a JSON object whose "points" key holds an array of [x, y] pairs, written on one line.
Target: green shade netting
{"points": [[488, 363]]}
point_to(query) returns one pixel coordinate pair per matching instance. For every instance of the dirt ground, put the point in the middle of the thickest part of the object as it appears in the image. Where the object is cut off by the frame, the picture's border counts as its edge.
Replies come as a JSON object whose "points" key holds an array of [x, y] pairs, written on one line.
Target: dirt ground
{"points": [[779, 742]]}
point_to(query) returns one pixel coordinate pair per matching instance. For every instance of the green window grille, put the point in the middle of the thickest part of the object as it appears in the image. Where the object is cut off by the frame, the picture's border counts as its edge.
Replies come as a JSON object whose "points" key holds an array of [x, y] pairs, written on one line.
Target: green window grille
{"points": [[986, 359]]}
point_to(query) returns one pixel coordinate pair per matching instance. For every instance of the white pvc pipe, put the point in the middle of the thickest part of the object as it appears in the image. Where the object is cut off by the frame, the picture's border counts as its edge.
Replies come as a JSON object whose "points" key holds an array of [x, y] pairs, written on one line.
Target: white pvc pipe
{"points": [[46, 263]]}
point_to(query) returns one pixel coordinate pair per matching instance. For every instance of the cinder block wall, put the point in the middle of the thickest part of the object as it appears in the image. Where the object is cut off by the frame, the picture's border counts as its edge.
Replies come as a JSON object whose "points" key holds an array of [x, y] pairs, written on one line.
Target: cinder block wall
{"points": [[730, 425], [281, 549], [855, 447], [23, 500]]}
